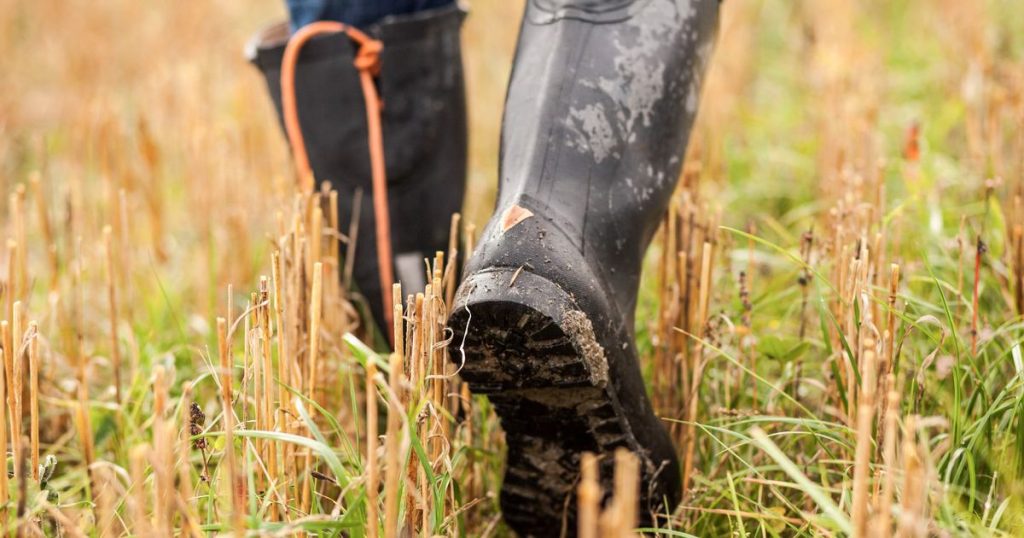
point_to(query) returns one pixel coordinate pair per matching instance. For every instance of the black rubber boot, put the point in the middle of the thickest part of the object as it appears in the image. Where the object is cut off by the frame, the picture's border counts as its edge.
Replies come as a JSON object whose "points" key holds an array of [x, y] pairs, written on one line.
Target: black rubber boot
{"points": [[424, 124], [597, 118]]}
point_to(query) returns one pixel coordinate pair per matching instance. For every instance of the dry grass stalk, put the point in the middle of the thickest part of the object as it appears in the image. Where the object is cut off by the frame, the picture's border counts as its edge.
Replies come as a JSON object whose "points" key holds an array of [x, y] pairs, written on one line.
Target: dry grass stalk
{"points": [[470, 239], [912, 521], [33, 369], [268, 401], [697, 369], [353, 233], [372, 473], [45, 227], [18, 282], [17, 415], [627, 490], [979, 252], [588, 496], [416, 488], [121, 238], [806, 252], [285, 366], [315, 319], [250, 375], [4, 485], [334, 245], [890, 324], [234, 480], [1017, 264], [138, 502], [620, 517], [397, 322], [864, 444], [440, 361], [84, 426], [83, 421], [746, 285], [392, 451], [107, 522], [24, 524], [450, 275], [12, 279], [316, 228], [429, 392], [681, 324], [393, 470], [186, 492], [885, 369], [115, 351], [63, 521], [162, 457], [883, 526], [335, 312], [315, 310], [283, 350]]}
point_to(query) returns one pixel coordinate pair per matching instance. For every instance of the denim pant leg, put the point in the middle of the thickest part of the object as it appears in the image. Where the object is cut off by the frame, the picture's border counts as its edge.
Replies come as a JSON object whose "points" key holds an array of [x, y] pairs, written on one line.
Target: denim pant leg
{"points": [[358, 13]]}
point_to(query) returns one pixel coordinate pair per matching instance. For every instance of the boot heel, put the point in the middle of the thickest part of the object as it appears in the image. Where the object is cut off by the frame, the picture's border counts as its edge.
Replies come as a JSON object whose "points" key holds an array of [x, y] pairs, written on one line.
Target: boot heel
{"points": [[522, 340], [517, 330]]}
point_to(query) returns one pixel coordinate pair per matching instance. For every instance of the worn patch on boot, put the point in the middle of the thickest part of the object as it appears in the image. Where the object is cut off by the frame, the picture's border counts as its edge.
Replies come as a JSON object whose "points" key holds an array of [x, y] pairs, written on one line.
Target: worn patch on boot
{"points": [[514, 215]]}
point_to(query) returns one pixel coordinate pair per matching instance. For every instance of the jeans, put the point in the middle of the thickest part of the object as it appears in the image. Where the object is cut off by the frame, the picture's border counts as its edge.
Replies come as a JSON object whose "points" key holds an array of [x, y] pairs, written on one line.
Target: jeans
{"points": [[358, 13]]}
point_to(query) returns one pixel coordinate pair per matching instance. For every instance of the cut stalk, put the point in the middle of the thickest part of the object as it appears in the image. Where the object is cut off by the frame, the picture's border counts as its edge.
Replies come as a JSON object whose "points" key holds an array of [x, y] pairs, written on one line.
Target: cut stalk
{"points": [[979, 252], [697, 371], [372, 475], [234, 482], [137, 502], [864, 446], [588, 496], [47, 229], [883, 528], [269, 405], [4, 484], [115, 351], [393, 469], [33, 368], [17, 346], [315, 309], [627, 490], [911, 509], [162, 474]]}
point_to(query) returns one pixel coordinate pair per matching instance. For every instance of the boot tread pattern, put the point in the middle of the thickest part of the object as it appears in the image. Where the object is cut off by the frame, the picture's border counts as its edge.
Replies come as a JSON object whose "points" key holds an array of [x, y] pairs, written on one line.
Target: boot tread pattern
{"points": [[552, 406]]}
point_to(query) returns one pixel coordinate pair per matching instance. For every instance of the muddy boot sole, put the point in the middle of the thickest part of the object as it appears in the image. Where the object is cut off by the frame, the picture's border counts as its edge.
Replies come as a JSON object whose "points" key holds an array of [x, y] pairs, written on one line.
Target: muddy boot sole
{"points": [[521, 340]]}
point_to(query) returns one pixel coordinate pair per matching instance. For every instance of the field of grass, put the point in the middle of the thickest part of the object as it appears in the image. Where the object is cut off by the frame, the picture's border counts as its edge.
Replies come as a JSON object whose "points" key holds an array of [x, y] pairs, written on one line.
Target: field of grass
{"points": [[830, 317]]}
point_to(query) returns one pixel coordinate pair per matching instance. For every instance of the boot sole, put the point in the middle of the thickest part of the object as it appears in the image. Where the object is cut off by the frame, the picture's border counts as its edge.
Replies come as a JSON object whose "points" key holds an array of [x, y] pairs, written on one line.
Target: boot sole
{"points": [[521, 340]]}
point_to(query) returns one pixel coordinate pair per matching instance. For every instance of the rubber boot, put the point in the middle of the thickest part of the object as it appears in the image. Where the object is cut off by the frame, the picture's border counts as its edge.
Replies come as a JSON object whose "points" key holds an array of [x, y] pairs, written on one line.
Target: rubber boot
{"points": [[597, 119], [424, 125]]}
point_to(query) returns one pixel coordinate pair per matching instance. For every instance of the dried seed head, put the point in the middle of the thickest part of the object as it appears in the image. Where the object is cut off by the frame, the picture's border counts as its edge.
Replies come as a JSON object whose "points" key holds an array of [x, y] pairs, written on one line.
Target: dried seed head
{"points": [[196, 422]]}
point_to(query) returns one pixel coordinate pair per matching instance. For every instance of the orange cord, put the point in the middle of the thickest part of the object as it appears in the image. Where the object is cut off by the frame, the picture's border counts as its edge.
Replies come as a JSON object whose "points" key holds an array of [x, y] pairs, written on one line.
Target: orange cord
{"points": [[367, 62]]}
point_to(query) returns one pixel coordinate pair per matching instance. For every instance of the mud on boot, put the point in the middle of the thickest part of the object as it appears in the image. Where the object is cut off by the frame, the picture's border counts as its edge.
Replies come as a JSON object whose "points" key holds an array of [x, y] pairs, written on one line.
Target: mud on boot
{"points": [[597, 118]]}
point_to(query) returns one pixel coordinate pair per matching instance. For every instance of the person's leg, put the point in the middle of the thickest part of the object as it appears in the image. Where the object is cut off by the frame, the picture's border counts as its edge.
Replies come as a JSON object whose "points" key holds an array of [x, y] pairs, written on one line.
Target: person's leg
{"points": [[597, 119], [424, 131], [358, 13]]}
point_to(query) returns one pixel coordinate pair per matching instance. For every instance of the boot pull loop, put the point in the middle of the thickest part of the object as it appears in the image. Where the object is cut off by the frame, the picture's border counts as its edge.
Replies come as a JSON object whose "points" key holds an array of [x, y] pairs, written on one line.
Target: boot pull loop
{"points": [[367, 62]]}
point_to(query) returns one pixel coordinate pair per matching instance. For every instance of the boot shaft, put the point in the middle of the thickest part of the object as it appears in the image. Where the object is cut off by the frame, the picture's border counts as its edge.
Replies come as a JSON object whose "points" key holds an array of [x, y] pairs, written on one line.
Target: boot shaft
{"points": [[597, 119]]}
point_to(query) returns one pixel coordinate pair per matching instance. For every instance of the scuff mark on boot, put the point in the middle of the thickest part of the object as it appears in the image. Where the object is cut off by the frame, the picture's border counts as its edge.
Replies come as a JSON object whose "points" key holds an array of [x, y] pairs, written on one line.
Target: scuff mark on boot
{"points": [[514, 215]]}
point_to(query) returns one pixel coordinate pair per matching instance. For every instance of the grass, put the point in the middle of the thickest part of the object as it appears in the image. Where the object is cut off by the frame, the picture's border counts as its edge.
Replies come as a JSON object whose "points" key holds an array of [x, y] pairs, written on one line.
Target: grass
{"points": [[830, 319]]}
